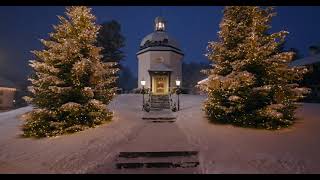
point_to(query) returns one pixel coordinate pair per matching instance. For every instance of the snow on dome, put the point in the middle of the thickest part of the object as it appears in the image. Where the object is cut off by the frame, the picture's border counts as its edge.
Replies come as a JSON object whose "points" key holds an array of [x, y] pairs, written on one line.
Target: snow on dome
{"points": [[159, 37]]}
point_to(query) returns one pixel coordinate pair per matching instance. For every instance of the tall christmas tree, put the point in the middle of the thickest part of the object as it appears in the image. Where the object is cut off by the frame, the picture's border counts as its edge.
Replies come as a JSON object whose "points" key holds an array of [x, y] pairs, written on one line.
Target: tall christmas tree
{"points": [[71, 85], [251, 83]]}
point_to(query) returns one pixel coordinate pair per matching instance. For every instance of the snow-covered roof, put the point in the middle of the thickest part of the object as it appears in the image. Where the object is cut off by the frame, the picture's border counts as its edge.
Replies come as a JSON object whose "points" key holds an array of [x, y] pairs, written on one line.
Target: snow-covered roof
{"points": [[159, 38], [160, 48], [307, 60], [202, 81]]}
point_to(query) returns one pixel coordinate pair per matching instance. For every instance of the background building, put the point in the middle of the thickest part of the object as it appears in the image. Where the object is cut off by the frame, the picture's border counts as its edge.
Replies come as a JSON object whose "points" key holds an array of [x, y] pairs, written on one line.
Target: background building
{"points": [[7, 94]]}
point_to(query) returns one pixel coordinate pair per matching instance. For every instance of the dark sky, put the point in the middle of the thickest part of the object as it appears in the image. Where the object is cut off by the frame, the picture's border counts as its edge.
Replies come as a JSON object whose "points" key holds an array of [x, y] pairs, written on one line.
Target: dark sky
{"points": [[22, 27]]}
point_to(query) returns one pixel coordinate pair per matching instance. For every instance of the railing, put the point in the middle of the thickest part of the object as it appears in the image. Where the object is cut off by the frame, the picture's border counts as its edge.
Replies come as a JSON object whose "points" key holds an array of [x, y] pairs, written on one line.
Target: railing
{"points": [[173, 105], [147, 105]]}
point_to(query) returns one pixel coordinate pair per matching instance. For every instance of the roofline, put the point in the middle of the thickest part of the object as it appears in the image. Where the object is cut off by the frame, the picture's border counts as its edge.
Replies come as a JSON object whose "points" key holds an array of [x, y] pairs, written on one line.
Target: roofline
{"points": [[8, 88], [202, 81], [154, 70], [162, 45], [144, 51]]}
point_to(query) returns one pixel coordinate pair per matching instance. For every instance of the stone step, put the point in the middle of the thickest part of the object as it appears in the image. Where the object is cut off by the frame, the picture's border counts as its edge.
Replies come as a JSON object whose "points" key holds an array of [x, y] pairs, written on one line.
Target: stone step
{"points": [[161, 121], [159, 118], [159, 105], [169, 159], [160, 102], [160, 98], [161, 114], [139, 154], [153, 101], [158, 108]]}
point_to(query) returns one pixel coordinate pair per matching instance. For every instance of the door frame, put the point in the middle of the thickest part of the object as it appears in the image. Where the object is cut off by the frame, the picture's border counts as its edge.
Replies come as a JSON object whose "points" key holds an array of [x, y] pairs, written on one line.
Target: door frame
{"points": [[153, 74]]}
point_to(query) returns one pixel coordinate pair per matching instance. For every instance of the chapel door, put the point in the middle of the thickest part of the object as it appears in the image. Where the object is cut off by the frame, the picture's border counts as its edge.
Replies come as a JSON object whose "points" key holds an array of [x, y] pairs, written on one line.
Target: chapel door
{"points": [[161, 84]]}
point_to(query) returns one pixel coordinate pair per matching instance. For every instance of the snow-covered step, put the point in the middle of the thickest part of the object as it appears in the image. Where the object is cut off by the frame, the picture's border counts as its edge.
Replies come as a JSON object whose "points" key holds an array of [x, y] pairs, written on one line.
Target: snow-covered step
{"points": [[160, 105], [162, 121], [163, 114], [169, 159], [157, 109], [158, 154]]}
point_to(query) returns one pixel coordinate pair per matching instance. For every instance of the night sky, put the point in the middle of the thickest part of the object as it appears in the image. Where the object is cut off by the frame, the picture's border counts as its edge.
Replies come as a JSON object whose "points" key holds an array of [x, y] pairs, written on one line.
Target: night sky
{"points": [[22, 27]]}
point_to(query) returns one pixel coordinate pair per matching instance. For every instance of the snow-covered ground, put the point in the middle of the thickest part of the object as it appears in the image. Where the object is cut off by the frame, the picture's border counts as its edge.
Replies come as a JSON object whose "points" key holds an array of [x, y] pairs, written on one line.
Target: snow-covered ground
{"points": [[229, 149], [73, 153], [222, 148]]}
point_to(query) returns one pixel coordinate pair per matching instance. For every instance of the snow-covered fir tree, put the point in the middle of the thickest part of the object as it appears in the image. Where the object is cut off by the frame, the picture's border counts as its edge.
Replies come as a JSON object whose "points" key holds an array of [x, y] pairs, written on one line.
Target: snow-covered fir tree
{"points": [[71, 85], [251, 83]]}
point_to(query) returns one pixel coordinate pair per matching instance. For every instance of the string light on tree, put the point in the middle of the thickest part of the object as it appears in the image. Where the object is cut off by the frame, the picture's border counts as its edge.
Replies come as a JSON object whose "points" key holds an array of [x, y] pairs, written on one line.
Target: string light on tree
{"points": [[71, 85], [251, 83]]}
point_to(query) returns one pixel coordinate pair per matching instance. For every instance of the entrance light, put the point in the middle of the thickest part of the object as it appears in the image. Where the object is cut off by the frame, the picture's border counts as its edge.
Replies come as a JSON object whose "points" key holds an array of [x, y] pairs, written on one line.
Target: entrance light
{"points": [[143, 82], [178, 82]]}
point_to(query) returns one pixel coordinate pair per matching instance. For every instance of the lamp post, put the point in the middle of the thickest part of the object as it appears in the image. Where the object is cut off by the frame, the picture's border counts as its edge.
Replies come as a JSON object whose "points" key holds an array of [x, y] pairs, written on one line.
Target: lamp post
{"points": [[178, 91], [143, 83]]}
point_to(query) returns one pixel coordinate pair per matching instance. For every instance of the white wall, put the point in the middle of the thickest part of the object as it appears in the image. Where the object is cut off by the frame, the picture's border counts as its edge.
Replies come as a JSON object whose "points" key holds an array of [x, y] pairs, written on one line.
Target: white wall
{"points": [[148, 60]]}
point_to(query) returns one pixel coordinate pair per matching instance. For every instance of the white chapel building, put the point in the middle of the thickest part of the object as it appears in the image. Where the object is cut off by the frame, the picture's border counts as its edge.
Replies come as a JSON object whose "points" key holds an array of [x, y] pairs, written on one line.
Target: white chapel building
{"points": [[159, 60]]}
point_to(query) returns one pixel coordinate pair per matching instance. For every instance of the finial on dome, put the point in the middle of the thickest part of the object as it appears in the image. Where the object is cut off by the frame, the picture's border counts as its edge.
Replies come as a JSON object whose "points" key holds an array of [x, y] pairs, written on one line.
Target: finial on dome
{"points": [[159, 24]]}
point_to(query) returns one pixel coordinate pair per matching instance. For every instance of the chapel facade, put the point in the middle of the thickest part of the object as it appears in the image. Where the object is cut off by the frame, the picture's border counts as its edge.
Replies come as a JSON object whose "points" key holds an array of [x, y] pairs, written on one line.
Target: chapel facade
{"points": [[159, 60]]}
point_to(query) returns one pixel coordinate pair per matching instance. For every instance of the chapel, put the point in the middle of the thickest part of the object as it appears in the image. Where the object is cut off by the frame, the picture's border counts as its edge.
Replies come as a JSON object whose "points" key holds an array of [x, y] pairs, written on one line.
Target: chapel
{"points": [[159, 60]]}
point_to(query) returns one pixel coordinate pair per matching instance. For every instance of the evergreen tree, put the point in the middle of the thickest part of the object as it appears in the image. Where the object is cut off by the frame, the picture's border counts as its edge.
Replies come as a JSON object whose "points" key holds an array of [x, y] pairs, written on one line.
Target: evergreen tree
{"points": [[111, 39], [250, 82], [191, 75], [71, 85], [127, 79]]}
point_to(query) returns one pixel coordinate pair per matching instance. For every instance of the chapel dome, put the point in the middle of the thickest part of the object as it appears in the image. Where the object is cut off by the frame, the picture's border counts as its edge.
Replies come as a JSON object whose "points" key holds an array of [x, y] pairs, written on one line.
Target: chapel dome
{"points": [[159, 37]]}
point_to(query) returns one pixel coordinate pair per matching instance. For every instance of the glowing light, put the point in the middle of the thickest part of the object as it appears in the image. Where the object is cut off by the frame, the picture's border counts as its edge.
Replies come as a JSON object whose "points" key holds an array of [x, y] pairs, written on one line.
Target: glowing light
{"points": [[143, 82], [178, 82]]}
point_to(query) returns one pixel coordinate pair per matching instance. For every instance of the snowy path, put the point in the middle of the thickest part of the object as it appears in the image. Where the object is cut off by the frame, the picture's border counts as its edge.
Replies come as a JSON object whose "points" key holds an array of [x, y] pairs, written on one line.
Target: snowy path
{"points": [[222, 148], [151, 137]]}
